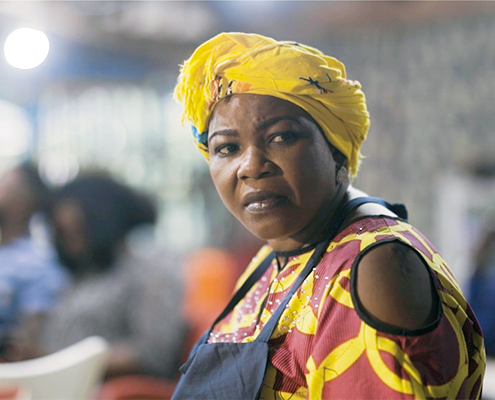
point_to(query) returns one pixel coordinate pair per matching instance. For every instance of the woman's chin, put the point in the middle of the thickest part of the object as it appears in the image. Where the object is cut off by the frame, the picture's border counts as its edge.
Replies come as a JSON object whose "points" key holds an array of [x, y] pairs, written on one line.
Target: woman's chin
{"points": [[272, 233]]}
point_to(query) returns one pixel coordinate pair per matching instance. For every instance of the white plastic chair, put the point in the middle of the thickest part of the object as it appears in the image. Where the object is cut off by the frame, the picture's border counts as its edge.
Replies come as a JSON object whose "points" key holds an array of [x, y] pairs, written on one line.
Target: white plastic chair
{"points": [[489, 381], [69, 374]]}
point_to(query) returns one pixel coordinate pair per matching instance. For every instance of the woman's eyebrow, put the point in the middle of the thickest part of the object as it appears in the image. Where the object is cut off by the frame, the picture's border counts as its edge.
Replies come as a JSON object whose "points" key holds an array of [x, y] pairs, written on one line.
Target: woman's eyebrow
{"points": [[259, 126], [266, 123], [223, 132]]}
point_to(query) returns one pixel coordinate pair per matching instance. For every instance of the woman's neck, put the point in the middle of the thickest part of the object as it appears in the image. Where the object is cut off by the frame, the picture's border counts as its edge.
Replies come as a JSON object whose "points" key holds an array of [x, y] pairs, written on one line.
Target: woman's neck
{"points": [[318, 231]]}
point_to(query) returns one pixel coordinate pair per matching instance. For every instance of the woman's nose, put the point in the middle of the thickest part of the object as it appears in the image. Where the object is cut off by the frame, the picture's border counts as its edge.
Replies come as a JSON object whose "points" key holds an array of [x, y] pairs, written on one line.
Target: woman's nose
{"points": [[255, 164]]}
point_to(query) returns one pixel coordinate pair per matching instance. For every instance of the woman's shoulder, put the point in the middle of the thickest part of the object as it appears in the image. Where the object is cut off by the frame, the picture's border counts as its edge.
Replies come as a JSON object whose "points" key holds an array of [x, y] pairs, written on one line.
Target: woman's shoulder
{"points": [[392, 284]]}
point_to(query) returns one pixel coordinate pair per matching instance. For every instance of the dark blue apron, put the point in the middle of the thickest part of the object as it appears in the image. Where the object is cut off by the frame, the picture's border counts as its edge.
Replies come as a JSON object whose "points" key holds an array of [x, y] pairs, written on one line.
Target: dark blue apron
{"points": [[236, 371]]}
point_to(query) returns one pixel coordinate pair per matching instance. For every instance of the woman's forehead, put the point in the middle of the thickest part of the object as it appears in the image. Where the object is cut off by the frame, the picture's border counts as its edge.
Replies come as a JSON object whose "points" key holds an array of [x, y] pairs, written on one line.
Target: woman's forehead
{"points": [[255, 109]]}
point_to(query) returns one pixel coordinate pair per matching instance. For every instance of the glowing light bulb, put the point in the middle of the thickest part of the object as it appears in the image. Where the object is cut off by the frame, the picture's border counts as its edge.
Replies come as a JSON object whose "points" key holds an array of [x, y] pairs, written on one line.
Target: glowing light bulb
{"points": [[26, 48]]}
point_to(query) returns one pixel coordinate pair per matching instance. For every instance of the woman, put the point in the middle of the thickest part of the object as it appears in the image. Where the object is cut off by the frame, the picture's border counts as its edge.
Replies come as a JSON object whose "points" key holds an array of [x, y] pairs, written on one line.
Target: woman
{"points": [[131, 301], [346, 300]]}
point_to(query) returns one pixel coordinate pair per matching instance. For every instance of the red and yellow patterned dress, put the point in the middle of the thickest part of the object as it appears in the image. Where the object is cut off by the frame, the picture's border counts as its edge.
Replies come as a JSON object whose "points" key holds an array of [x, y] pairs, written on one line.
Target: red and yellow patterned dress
{"points": [[324, 346]]}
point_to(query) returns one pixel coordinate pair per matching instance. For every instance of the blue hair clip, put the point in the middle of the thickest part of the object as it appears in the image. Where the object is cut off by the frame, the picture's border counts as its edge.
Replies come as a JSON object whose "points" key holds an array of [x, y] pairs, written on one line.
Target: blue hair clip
{"points": [[201, 138]]}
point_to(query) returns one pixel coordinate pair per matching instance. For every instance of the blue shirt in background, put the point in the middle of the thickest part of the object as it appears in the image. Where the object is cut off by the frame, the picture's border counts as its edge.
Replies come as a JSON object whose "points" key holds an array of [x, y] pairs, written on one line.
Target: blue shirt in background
{"points": [[482, 300], [31, 281]]}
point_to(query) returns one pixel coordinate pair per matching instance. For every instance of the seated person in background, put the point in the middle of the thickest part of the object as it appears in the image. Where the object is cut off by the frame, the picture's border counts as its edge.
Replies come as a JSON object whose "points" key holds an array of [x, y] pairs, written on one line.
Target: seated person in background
{"points": [[30, 277], [129, 300], [482, 287]]}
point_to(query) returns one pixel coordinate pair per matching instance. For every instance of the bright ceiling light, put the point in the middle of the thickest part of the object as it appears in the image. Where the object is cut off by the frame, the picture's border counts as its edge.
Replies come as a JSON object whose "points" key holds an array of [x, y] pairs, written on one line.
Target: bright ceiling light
{"points": [[26, 48]]}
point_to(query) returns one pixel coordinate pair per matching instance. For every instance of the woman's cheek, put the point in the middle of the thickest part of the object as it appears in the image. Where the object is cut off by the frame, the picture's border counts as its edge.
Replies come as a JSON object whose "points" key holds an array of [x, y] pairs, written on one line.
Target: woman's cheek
{"points": [[224, 179]]}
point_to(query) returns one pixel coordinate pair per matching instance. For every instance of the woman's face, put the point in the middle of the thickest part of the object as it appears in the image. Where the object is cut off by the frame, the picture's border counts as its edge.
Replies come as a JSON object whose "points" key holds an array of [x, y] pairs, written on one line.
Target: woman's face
{"points": [[272, 167], [70, 233]]}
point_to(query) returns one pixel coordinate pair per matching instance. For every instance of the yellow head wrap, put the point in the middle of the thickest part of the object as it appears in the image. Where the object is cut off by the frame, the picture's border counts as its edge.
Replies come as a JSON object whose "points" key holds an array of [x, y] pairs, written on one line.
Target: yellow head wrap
{"points": [[233, 63]]}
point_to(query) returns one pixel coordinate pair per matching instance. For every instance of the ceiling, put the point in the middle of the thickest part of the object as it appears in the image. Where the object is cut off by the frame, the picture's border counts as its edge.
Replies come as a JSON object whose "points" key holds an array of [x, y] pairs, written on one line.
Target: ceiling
{"points": [[136, 40], [165, 30]]}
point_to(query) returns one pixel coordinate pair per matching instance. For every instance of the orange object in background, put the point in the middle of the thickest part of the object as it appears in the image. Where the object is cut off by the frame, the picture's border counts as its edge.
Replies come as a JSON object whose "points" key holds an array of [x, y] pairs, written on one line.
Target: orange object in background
{"points": [[209, 279]]}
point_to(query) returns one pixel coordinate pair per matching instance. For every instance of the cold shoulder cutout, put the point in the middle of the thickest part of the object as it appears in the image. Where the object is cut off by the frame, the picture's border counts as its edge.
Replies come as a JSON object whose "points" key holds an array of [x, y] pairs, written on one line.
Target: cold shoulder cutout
{"points": [[394, 289]]}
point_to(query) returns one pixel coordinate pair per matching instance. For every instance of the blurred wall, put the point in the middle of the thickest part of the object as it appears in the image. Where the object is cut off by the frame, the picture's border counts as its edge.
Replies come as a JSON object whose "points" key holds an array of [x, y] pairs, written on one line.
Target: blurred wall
{"points": [[430, 94]]}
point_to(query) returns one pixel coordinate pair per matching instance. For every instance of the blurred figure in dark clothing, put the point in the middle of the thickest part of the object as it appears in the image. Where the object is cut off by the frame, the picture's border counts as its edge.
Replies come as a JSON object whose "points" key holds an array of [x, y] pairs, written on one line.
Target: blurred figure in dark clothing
{"points": [[131, 301], [482, 287], [30, 277]]}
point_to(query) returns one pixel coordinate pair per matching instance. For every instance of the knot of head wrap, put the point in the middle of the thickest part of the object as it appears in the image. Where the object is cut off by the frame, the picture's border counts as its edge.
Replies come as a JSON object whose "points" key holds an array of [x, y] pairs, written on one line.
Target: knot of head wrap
{"points": [[233, 63]]}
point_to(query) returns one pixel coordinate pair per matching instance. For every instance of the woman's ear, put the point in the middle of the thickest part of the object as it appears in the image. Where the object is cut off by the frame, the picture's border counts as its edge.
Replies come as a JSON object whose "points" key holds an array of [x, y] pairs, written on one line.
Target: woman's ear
{"points": [[342, 176], [341, 173]]}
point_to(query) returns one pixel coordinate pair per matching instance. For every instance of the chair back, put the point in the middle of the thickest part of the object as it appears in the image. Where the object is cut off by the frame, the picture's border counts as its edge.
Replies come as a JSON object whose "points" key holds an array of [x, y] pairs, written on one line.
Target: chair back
{"points": [[69, 374], [489, 380]]}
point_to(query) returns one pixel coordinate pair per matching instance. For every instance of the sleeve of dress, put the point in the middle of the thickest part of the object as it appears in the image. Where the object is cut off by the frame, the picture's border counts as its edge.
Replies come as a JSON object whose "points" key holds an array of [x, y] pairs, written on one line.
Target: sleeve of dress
{"points": [[372, 361], [365, 365], [354, 356]]}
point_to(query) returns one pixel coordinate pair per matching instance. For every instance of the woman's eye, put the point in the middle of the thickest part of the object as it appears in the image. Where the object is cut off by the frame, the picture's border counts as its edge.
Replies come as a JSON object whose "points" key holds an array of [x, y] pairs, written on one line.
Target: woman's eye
{"points": [[226, 149], [283, 137]]}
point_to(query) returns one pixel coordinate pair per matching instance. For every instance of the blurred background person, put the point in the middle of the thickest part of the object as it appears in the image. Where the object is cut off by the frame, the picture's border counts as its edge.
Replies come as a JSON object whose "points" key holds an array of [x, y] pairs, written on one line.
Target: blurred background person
{"points": [[482, 286], [128, 299], [31, 279]]}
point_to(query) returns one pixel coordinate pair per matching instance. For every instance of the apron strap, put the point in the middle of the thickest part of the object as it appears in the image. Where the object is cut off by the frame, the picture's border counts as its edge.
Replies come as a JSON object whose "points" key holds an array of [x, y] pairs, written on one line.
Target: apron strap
{"points": [[246, 286], [268, 329], [397, 208]]}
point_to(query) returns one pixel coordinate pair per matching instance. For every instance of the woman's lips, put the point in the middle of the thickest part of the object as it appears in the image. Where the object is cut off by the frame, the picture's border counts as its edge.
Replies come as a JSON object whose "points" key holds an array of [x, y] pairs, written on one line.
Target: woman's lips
{"points": [[264, 201]]}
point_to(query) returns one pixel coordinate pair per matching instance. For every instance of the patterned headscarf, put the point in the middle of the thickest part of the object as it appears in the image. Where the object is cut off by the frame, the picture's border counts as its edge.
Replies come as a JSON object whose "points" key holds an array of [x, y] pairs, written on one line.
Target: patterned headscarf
{"points": [[233, 63]]}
